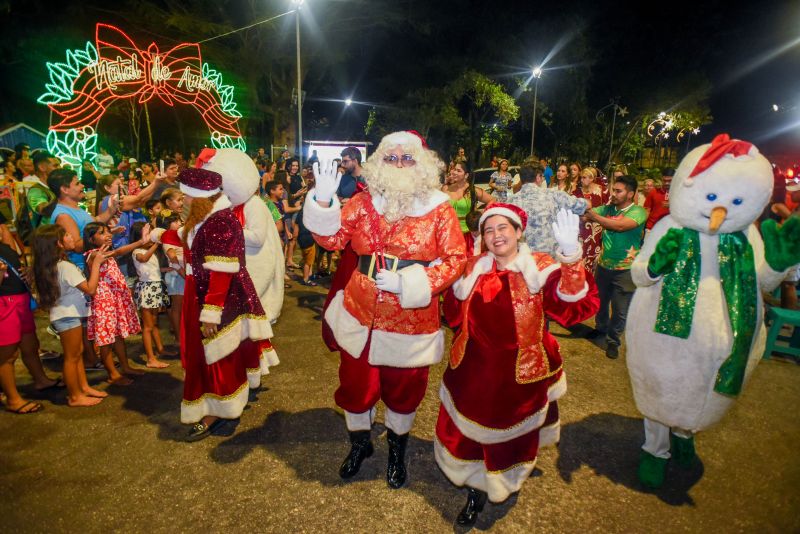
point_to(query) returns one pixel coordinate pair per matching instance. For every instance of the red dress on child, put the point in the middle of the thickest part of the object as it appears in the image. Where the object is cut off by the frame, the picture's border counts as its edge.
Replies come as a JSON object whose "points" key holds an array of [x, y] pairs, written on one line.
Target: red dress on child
{"points": [[218, 290], [499, 393], [113, 311]]}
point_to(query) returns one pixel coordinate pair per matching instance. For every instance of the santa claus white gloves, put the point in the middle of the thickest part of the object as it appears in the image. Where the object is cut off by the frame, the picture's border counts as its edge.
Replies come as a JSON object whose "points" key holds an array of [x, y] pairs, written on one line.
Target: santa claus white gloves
{"points": [[566, 232], [327, 178], [388, 281]]}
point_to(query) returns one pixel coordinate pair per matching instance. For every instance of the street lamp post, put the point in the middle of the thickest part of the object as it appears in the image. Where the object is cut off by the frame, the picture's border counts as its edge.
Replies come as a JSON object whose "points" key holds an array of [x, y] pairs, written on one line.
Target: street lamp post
{"points": [[299, 4], [537, 73]]}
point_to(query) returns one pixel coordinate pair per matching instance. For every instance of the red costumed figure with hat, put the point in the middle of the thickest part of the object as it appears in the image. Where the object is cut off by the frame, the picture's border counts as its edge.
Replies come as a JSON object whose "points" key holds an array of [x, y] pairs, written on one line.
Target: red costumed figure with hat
{"points": [[498, 395], [385, 321], [223, 319]]}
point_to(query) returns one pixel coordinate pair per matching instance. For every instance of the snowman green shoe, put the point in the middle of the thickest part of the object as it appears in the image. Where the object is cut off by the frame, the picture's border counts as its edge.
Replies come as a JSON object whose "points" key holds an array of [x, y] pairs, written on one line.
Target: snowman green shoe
{"points": [[651, 470], [682, 450]]}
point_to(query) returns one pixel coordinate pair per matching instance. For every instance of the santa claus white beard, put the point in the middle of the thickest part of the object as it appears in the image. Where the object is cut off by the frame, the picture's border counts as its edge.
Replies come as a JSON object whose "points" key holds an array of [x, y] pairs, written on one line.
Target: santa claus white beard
{"points": [[400, 188]]}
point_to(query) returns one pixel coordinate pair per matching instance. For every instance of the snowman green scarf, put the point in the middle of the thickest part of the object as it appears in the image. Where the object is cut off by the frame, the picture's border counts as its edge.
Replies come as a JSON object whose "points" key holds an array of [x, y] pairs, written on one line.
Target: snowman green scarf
{"points": [[738, 277]]}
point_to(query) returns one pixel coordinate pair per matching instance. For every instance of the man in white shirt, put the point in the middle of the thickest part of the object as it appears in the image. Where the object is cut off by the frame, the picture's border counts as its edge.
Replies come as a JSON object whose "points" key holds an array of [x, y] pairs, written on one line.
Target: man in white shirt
{"points": [[105, 162]]}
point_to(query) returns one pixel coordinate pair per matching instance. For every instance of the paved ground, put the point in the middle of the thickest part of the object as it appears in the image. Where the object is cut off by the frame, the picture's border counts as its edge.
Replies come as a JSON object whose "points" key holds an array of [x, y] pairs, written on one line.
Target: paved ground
{"points": [[122, 466]]}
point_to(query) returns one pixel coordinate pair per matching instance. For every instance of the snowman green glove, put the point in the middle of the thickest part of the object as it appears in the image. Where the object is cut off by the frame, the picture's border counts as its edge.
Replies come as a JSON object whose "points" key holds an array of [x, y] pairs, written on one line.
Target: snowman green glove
{"points": [[781, 243], [666, 253]]}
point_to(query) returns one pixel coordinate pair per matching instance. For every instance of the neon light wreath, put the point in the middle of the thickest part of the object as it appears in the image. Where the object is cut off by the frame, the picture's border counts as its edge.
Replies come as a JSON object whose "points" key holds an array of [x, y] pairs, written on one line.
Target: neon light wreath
{"points": [[81, 89]]}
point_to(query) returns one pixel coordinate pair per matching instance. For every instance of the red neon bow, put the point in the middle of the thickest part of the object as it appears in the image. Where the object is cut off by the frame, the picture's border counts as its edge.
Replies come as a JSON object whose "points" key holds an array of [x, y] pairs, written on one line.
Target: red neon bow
{"points": [[123, 70], [720, 146]]}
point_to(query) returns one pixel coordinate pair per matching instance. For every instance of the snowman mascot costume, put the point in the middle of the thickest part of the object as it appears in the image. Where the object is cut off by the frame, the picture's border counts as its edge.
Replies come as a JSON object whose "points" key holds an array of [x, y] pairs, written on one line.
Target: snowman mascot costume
{"points": [[695, 329], [263, 249]]}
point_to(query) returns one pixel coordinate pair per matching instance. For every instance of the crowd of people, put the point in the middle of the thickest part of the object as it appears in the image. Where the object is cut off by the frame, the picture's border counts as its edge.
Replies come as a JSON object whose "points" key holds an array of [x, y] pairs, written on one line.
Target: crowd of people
{"points": [[411, 243]]}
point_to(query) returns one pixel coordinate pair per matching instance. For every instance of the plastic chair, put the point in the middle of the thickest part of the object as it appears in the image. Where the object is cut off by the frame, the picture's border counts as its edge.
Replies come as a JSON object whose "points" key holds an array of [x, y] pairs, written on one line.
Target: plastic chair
{"points": [[780, 317]]}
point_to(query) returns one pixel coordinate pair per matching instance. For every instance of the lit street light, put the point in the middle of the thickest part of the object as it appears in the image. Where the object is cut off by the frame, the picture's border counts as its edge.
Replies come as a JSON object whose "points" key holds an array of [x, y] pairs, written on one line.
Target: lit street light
{"points": [[775, 107], [298, 4], [348, 101], [537, 73]]}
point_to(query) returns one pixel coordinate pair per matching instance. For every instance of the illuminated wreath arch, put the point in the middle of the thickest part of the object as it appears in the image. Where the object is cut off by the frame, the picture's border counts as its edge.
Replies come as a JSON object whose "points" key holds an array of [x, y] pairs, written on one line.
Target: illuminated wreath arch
{"points": [[114, 67]]}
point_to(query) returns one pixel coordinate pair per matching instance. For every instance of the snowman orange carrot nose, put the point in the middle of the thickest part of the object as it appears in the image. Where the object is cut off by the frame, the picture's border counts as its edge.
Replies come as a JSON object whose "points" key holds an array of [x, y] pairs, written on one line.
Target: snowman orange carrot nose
{"points": [[717, 218]]}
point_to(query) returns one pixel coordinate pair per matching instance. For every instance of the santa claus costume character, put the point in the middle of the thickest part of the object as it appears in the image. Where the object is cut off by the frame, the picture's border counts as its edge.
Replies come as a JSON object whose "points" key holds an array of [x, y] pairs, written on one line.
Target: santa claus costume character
{"points": [[386, 321], [489, 442], [222, 318], [263, 247]]}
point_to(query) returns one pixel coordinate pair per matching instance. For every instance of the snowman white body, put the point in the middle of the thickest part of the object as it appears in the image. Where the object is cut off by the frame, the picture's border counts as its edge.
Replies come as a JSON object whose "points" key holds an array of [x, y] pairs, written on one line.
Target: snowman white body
{"points": [[264, 255], [673, 378]]}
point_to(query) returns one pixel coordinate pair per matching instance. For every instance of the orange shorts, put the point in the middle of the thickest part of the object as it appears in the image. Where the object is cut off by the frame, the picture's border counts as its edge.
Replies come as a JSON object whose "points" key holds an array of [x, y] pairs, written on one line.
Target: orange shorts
{"points": [[309, 254]]}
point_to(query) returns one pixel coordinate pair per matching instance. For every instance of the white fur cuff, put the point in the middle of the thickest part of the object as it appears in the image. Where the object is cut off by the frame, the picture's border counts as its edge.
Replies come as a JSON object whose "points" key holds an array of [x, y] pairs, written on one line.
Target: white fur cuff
{"points": [[155, 235], [572, 258], [319, 220], [415, 288], [399, 423], [211, 314]]}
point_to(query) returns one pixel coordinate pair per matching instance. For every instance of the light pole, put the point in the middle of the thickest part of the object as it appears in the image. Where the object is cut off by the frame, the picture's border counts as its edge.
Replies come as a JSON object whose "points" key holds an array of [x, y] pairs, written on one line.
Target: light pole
{"points": [[537, 73], [298, 4]]}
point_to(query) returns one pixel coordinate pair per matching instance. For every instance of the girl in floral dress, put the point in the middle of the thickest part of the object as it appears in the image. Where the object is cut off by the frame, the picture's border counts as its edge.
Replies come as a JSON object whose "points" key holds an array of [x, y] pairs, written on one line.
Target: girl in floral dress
{"points": [[113, 316], [591, 233]]}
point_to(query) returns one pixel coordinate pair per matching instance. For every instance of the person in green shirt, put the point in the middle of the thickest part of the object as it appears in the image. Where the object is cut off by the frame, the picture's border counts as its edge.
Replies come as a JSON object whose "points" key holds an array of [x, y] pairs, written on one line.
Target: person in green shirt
{"points": [[623, 229], [39, 197]]}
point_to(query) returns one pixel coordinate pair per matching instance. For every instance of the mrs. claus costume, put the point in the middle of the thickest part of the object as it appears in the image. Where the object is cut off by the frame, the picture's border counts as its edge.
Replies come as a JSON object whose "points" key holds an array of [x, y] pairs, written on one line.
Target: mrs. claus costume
{"points": [[498, 395], [218, 291], [387, 338], [263, 248]]}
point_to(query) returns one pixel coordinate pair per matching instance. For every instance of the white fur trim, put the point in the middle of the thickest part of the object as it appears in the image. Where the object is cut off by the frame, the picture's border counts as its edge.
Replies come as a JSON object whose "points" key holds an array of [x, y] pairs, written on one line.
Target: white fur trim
{"points": [[209, 404], [486, 435], [224, 343], [415, 288], [319, 220], [350, 335], [573, 258], [231, 267], [491, 211], [386, 348], [197, 193], [523, 263], [254, 377], [419, 208], [210, 314], [573, 298], [404, 350], [269, 358], [402, 138], [399, 423], [359, 421]]}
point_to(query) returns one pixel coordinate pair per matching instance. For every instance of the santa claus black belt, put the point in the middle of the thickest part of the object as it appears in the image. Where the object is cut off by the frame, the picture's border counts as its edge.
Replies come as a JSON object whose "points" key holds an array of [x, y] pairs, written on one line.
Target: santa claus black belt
{"points": [[370, 265]]}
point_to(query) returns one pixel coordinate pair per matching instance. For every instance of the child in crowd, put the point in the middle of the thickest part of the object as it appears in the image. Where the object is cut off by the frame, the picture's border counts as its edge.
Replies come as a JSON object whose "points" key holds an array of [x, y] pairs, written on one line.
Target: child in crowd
{"points": [[153, 207], [172, 199], [308, 248], [62, 288], [113, 316], [175, 278], [150, 295], [473, 234], [275, 203]]}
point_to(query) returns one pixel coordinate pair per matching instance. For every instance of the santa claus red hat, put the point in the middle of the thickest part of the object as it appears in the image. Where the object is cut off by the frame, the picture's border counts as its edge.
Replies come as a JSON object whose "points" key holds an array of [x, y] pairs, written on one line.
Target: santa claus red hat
{"points": [[200, 183], [404, 138], [514, 213]]}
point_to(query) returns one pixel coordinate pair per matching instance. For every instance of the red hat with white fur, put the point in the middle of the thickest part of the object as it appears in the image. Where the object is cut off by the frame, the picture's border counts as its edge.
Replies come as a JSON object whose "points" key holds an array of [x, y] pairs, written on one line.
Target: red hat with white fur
{"points": [[514, 213], [199, 183]]}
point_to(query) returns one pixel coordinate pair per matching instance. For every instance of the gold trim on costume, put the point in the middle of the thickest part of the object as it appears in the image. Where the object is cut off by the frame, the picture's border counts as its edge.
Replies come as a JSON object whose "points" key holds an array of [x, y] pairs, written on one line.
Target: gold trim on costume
{"points": [[215, 396], [212, 307], [223, 259]]}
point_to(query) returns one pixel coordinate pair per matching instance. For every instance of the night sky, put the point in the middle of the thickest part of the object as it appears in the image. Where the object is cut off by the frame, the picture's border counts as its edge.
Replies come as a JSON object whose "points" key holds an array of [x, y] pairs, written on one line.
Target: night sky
{"points": [[629, 50]]}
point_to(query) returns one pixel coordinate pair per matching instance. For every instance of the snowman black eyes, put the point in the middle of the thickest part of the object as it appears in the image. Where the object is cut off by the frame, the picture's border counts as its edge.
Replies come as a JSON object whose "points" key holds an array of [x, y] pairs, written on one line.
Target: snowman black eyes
{"points": [[737, 201], [711, 197]]}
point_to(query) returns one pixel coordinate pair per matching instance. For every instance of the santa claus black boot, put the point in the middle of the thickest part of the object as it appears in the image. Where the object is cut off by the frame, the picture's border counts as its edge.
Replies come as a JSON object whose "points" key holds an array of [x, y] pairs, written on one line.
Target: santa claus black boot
{"points": [[396, 470], [360, 448], [476, 499]]}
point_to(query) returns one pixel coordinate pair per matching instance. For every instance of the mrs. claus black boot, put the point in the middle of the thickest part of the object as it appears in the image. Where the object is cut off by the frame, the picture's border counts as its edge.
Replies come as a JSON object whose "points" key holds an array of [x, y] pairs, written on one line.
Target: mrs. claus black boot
{"points": [[476, 499], [396, 470], [360, 448]]}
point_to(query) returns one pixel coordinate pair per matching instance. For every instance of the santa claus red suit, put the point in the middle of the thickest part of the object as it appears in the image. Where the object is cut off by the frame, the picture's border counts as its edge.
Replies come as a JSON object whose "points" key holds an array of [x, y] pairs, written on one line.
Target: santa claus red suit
{"points": [[220, 298], [386, 321], [502, 349]]}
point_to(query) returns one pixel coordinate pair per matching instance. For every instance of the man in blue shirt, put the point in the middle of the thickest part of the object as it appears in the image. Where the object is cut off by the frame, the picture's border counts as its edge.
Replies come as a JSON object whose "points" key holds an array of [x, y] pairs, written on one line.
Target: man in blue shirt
{"points": [[351, 161], [548, 172]]}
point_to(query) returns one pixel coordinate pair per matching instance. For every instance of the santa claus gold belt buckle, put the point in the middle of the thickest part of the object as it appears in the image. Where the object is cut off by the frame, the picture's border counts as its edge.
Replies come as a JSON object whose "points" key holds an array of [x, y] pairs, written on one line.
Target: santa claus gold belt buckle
{"points": [[391, 264]]}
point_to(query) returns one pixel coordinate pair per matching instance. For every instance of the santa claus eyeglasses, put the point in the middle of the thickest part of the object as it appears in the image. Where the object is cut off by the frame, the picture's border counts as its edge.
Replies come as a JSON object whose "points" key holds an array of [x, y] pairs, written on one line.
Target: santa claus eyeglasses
{"points": [[407, 160]]}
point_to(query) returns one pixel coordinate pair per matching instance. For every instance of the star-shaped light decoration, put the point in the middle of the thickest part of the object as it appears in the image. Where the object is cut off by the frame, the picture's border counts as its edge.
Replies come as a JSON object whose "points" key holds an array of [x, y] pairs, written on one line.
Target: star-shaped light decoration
{"points": [[623, 111]]}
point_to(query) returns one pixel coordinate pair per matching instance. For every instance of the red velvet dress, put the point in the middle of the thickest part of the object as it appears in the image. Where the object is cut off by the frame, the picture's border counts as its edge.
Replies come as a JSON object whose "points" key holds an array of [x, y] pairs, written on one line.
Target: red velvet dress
{"points": [[483, 395], [591, 234], [218, 290]]}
